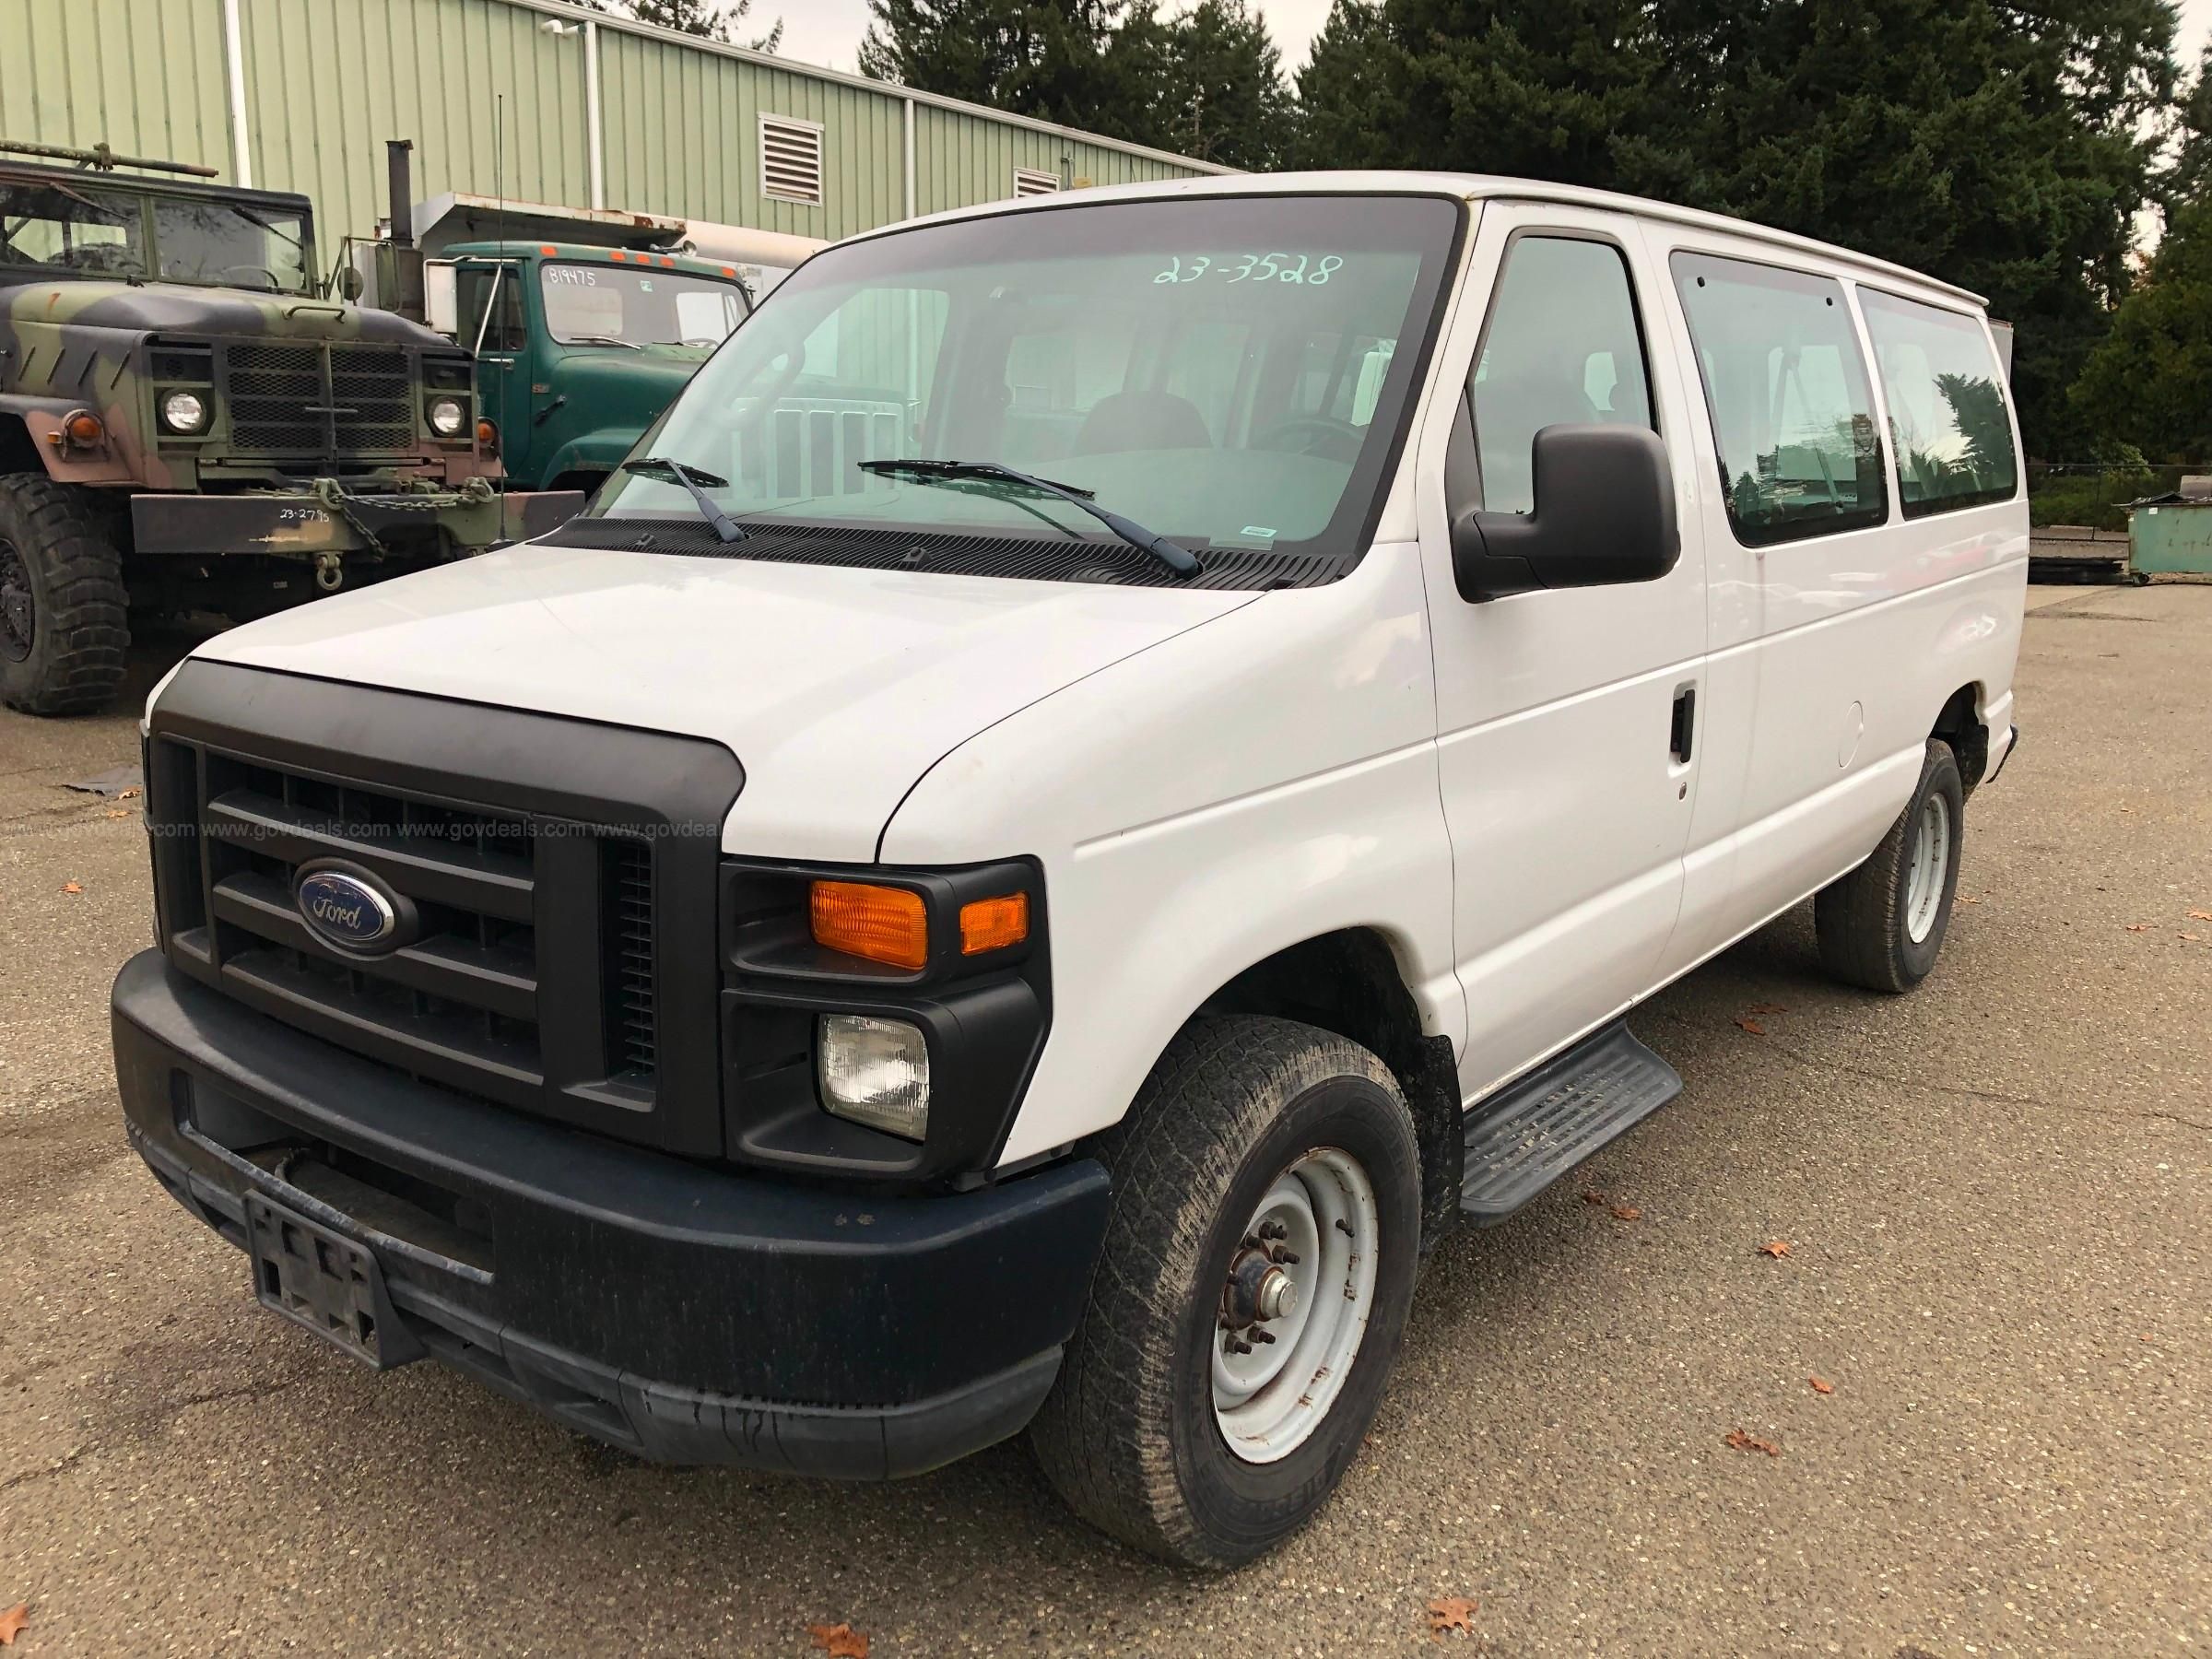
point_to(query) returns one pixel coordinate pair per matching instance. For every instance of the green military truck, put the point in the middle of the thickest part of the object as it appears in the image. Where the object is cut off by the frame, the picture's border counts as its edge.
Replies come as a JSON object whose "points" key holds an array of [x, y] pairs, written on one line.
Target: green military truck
{"points": [[190, 420]]}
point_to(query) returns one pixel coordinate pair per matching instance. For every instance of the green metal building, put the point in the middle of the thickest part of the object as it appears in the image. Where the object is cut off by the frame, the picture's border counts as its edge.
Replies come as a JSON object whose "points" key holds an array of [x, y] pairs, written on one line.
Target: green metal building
{"points": [[531, 100]]}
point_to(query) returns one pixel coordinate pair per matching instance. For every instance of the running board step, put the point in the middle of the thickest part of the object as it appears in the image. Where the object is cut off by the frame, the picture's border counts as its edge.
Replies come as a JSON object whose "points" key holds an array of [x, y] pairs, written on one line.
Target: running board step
{"points": [[1531, 1133]]}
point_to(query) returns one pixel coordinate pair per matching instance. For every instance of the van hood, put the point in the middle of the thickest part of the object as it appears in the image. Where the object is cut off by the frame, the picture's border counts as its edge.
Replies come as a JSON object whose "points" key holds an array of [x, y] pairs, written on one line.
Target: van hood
{"points": [[835, 689]]}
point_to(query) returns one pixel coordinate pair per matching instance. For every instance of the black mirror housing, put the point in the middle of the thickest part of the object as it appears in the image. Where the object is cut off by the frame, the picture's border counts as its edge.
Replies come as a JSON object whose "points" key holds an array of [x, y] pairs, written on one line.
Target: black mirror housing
{"points": [[1605, 514]]}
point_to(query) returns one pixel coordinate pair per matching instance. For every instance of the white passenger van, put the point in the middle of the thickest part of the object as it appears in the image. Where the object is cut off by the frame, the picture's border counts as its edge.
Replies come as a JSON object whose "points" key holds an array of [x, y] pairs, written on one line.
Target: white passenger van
{"points": [[1111, 770]]}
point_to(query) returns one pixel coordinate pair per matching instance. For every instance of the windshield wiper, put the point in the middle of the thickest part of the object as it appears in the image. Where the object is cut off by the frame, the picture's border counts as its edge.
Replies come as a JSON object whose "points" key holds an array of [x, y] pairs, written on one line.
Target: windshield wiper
{"points": [[1180, 560], [690, 477], [601, 340]]}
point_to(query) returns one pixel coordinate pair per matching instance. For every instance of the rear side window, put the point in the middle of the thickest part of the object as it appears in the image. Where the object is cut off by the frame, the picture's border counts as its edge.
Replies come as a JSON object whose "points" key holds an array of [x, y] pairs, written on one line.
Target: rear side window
{"points": [[1947, 405], [1787, 389], [1563, 346]]}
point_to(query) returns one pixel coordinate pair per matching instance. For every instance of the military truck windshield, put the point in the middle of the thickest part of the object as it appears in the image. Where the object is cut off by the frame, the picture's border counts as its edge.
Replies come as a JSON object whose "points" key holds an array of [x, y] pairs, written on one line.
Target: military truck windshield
{"points": [[101, 231], [596, 304], [1227, 371], [230, 244], [74, 227]]}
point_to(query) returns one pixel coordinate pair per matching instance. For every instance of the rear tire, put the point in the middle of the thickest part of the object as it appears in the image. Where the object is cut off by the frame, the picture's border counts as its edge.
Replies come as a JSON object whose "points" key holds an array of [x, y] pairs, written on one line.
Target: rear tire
{"points": [[64, 618], [1243, 1120], [1882, 925]]}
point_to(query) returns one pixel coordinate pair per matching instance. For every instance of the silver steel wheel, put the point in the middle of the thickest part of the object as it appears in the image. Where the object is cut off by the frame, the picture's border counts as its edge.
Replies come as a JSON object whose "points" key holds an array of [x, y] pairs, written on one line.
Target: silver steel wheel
{"points": [[1301, 1287], [1931, 864]]}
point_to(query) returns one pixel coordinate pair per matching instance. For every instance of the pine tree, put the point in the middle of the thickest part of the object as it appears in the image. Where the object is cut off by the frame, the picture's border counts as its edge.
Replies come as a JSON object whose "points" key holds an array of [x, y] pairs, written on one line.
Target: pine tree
{"points": [[2190, 178], [1045, 58], [2146, 383], [709, 19]]}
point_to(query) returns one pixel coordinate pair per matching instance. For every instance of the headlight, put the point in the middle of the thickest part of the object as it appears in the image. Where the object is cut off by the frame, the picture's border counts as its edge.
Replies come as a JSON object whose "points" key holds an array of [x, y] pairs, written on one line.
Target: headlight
{"points": [[183, 412], [447, 416], [874, 1072]]}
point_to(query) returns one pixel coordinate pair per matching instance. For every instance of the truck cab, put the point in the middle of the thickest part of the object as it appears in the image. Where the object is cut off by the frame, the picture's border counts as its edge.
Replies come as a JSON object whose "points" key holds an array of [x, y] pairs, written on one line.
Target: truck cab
{"points": [[578, 348]]}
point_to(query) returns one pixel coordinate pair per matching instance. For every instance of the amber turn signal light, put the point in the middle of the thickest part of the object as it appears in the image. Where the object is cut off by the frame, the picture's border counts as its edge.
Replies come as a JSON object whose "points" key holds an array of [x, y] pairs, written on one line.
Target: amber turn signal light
{"points": [[488, 435], [84, 429], [993, 923], [881, 924]]}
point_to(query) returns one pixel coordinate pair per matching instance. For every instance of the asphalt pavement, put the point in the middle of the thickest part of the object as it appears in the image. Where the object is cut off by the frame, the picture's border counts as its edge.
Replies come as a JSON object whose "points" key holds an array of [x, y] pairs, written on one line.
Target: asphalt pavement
{"points": [[1993, 1195]]}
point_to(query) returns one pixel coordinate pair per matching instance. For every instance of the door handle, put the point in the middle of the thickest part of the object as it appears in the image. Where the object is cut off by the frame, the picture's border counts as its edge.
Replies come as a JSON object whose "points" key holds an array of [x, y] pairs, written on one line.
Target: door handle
{"points": [[1685, 730]]}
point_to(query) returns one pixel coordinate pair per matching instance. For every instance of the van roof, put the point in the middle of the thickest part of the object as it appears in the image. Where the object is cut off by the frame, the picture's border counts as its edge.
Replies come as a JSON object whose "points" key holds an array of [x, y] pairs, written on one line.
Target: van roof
{"points": [[1467, 187]]}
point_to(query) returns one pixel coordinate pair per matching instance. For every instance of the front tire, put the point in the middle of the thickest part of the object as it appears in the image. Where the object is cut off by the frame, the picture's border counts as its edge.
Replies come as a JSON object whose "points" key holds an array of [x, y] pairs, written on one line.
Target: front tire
{"points": [[1882, 925], [64, 618], [1268, 1170]]}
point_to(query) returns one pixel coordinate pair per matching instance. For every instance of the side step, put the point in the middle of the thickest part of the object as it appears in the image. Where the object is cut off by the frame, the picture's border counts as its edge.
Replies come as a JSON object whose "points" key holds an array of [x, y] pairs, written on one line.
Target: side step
{"points": [[1534, 1130]]}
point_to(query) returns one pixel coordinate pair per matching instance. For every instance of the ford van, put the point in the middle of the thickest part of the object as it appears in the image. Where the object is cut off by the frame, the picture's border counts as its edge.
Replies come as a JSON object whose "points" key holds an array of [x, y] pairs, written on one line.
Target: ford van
{"points": [[1112, 771]]}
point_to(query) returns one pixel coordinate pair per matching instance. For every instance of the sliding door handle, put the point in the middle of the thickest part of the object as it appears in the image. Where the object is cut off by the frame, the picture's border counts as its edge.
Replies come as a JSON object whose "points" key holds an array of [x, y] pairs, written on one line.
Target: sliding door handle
{"points": [[1685, 730]]}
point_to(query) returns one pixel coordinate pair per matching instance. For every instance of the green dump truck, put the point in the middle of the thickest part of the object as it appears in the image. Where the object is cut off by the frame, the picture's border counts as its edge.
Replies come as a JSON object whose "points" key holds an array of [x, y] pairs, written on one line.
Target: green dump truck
{"points": [[189, 420], [584, 322]]}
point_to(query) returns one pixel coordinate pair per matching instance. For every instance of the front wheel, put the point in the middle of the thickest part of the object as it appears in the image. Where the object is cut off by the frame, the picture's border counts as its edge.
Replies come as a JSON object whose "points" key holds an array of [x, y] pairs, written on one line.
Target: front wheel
{"points": [[63, 623], [1250, 1297]]}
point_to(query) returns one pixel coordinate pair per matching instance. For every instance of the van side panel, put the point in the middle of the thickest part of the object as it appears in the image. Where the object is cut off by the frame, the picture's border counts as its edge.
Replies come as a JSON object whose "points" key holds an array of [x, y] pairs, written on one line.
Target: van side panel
{"points": [[1832, 657], [1233, 790]]}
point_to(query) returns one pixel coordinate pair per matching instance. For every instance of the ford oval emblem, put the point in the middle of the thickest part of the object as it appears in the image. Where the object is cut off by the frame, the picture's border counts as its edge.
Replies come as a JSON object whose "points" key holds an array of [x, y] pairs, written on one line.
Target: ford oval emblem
{"points": [[353, 912]]}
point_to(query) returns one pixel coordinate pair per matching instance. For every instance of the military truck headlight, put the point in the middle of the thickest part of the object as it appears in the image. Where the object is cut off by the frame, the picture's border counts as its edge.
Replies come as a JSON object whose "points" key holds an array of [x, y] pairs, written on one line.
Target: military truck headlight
{"points": [[185, 412], [874, 1072], [447, 416]]}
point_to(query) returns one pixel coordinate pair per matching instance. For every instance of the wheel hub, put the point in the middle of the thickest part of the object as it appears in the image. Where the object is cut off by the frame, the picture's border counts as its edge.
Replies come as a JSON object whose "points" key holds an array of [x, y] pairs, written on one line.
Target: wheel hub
{"points": [[18, 613], [1294, 1305]]}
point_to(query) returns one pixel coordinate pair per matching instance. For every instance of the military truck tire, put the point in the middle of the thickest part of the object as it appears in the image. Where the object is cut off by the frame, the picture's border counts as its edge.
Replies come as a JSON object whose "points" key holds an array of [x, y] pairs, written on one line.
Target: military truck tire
{"points": [[64, 618]]}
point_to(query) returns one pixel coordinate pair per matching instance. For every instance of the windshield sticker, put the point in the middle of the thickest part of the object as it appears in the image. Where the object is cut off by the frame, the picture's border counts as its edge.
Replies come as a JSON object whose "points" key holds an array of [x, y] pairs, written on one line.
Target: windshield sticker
{"points": [[1307, 270]]}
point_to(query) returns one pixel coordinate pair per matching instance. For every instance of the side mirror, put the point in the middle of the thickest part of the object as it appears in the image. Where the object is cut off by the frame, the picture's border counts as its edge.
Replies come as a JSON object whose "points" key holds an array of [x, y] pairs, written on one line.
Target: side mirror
{"points": [[350, 286], [441, 307], [1605, 513]]}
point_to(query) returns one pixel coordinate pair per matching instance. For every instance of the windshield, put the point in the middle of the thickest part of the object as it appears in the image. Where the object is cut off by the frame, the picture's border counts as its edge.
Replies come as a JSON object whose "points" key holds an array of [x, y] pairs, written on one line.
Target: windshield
{"points": [[102, 232], [76, 227], [231, 246], [597, 302], [1228, 370]]}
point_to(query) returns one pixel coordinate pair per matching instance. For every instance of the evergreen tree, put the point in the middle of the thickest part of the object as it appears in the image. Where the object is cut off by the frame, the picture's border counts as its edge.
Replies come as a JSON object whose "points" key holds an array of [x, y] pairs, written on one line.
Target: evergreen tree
{"points": [[2005, 150], [1045, 58], [1216, 84], [2189, 179], [709, 19], [2147, 383]]}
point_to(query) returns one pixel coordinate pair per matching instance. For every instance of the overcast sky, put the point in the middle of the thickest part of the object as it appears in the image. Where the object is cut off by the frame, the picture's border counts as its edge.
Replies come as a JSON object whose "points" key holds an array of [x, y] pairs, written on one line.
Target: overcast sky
{"points": [[828, 31]]}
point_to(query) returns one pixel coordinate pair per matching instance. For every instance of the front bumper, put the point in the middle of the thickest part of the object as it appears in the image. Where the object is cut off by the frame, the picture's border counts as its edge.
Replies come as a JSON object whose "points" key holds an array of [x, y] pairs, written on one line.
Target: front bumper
{"points": [[685, 1313], [302, 524]]}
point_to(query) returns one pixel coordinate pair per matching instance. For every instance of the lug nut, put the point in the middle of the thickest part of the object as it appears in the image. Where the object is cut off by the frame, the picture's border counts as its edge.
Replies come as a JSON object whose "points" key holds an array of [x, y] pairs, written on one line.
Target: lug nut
{"points": [[1273, 1229], [1260, 1335], [1287, 1258]]}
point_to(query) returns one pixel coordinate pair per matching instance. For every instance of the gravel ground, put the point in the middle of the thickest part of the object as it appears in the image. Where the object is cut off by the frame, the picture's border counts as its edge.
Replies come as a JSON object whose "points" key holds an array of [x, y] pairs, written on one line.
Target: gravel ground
{"points": [[1994, 1193]]}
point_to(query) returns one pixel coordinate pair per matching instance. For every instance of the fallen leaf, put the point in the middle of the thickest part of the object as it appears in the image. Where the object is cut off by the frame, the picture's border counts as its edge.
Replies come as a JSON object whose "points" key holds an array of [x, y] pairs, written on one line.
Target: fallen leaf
{"points": [[1451, 1613], [1751, 1443], [1627, 1212], [72, 887], [2200, 915], [1821, 1385], [840, 1640], [1751, 1026], [1964, 898], [127, 794], [2138, 927], [119, 812], [1777, 1248], [12, 1623], [2193, 938], [1593, 1196]]}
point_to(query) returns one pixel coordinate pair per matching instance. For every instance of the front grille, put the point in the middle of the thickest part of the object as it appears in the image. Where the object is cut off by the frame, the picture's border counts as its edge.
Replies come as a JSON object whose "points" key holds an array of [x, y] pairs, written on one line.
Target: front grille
{"points": [[373, 381], [460, 1004], [630, 970], [288, 397]]}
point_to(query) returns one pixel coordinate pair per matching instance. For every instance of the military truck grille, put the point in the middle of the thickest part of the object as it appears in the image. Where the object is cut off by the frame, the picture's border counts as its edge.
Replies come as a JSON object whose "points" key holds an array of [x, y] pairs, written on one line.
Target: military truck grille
{"points": [[290, 398], [460, 1004]]}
